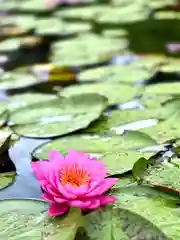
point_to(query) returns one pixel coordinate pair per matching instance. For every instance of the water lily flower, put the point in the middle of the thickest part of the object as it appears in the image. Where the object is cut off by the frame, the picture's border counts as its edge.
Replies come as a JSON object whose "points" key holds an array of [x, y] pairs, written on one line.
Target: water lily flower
{"points": [[76, 180]]}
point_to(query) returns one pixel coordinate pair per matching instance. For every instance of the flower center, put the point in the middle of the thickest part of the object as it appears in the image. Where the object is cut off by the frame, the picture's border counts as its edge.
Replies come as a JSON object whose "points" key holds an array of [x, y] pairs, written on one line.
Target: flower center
{"points": [[74, 175]]}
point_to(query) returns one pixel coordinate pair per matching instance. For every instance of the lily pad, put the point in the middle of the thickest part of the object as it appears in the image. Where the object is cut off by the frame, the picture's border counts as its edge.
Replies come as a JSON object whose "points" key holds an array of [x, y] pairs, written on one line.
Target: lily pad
{"points": [[85, 13], [119, 15], [120, 223], [166, 174], [168, 128], [16, 80], [164, 88], [153, 206], [85, 49], [115, 74], [7, 168], [113, 151], [58, 117], [26, 99], [172, 66], [4, 118], [114, 92], [10, 44], [28, 219], [150, 62], [117, 122], [22, 21]]}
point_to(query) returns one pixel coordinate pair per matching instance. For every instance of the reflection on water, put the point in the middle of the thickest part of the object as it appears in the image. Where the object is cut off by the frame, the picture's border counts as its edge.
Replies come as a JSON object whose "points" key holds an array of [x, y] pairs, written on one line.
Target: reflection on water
{"points": [[26, 184]]}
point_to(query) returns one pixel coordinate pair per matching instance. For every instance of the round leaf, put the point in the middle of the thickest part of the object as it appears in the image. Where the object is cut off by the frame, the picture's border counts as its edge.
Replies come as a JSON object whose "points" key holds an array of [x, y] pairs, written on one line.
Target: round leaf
{"points": [[114, 92], [58, 117], [110, 150], [27, 219]]}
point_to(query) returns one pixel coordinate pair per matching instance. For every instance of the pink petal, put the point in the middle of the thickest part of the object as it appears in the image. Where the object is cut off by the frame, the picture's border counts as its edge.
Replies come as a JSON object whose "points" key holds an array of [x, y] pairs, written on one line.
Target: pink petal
{"points": [[51, 190], [101, 171], [48, 197], [107, 200], [103, 187], [77, 156], [62, 190], [55, 157], [59, 200], [57, 209], [41, 169], [78, 191], [80, 204], [94, 204]]}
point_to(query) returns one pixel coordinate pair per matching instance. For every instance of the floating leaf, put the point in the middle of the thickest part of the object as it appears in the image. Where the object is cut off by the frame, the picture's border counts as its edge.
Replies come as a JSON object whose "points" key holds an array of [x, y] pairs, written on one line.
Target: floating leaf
{"points": [[154, 206], [58, 117], [27, 219], [120, 223], [115, 74], [164, 88], [10, 44], [114, 92], [150, 62], [15, 80], [94, 48], [166, 174], [111, 150], [7, 168], [23, 100], [117, 122], [139, 167]]}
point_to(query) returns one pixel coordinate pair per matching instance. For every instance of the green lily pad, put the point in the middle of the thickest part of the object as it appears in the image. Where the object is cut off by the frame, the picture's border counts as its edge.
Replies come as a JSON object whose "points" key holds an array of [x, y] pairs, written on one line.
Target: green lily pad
{"points": [[120, 223], [85, 13], [113, 151], [119, 15], [114, 92], [10, 44], [172, 66], [26, 99], [22, 21], [85, 49], [28, 219], [58, 116], [115, 33], [153, 206], [117, 122], [33, 5], [162, 89], [150, 62], [169, 128], [16, 80], [155, 101], [166, 174], [115, 74], [6, 178], [4, 118]]}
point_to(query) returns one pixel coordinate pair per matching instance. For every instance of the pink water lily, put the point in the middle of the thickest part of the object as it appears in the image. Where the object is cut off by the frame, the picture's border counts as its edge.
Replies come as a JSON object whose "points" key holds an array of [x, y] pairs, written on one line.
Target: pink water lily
{"points": [[75, 180]]}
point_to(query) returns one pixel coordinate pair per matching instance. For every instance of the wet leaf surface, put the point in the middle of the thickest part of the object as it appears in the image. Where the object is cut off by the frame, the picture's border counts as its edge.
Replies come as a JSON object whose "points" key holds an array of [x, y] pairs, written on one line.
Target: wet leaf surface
{"points": [[23, 218], [111, 150], [64, 115]]}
